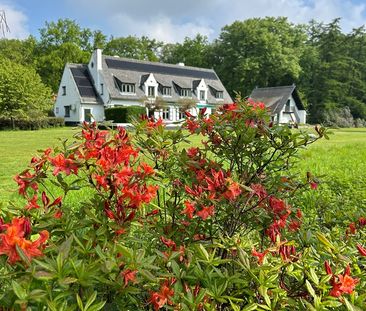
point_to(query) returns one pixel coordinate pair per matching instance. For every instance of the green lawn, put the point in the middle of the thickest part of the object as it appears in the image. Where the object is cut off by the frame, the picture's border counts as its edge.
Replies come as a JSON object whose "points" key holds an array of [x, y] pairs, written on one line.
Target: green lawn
{"points": [[342, 159], [18, 147]]}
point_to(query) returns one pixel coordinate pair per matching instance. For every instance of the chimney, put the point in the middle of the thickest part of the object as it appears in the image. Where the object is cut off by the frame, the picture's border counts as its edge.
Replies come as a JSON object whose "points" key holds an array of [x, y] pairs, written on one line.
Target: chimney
{"points": [[98, 58]]}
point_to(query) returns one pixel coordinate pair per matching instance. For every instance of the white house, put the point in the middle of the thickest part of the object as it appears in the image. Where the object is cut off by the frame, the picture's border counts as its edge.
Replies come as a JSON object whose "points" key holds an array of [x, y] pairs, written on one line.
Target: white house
{"points": [[87, 90], [283, 102]]}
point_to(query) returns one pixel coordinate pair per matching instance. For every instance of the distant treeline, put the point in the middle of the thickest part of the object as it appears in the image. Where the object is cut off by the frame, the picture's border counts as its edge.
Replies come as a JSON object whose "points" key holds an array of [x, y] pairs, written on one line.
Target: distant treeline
{"points": [[328, 65]]}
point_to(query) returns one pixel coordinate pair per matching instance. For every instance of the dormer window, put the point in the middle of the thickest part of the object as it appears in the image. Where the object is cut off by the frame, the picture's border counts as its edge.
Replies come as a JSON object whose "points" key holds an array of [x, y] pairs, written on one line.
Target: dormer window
{"points": [[128, 88], [166, 91], [219, 94], [64, 90], [151, 91], [202, 95], [186, 92]]}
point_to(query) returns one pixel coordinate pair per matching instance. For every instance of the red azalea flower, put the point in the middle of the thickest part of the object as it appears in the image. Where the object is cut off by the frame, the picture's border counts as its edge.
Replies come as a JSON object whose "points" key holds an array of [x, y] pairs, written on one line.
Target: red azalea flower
{"points": [[206, 212], [15, 236], [361, 250], [159, 299], [313, 185], [32, 203], [259, 255], [352, 227], [327, 267], [294, 225], [259, 191], [233, 190], [362, 221], [128, 276], [189, 210], [168, 243], [62, 164]]}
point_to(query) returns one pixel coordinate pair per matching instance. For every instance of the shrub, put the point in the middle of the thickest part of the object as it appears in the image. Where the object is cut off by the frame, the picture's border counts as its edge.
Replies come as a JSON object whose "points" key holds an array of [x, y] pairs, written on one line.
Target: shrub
{"points": [[124, 114], [211, 227], [30, 124]]}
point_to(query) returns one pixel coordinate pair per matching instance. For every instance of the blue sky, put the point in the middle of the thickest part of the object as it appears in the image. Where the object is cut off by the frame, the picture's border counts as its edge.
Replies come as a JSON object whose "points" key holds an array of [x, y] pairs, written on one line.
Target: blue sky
{"points": [[172, 20]]}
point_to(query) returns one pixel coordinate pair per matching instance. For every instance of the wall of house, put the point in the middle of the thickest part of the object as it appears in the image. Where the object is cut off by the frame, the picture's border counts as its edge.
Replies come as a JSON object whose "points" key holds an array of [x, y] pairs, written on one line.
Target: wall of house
{"points": [[202, 87], [150, 81], [71, 98], [299, 115], [97, 112]]}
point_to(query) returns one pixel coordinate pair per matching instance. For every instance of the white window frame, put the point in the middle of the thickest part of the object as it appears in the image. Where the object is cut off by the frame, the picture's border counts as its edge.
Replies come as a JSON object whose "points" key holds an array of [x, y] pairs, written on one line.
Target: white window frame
{"points": [[185, 92], [128, 88], [67, 111], [202, 92], [219, 94], [151, 91], [166, 113], [166, 91]]}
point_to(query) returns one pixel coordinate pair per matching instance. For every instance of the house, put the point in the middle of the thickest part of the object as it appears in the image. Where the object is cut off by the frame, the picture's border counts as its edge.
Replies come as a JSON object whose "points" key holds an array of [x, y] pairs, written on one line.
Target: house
{"points": [[283, 102], [86, 90]]}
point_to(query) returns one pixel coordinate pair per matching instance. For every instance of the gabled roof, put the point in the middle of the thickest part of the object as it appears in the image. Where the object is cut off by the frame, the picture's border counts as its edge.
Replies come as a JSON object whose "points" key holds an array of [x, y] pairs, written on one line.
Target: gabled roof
{"points": [[83, 82], [168, 75], [276, 97]]}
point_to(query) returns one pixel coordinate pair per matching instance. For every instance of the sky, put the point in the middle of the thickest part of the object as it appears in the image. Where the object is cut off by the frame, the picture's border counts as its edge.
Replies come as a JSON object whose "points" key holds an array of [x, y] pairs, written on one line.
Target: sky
{"points": [[172, 20]]}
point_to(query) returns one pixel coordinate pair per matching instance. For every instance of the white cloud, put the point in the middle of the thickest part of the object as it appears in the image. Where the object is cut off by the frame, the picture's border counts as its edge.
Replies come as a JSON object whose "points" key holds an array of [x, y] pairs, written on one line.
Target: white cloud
{"points": [[172, 20], [17, 22], [160, 27]]}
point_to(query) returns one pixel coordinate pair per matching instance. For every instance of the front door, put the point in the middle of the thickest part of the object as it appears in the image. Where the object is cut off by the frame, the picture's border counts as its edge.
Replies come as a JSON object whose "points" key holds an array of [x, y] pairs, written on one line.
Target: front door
{"points": [[87, 115]]}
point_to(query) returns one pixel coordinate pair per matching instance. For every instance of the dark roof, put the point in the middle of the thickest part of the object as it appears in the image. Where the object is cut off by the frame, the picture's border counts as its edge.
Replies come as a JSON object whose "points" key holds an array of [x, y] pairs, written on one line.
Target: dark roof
{"points": [[175, 76], [83, 82], [276, 97]]}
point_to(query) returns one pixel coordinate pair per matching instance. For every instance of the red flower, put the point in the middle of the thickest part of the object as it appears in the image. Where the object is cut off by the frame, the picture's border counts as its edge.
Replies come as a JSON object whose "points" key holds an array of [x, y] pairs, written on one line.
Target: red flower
{"points": [[294, 225], [352, 227], [189, 210], [159, 299], [168, 243], [259, 191], [361, 250], [192, 125], [25, 180], [233, 190], [327, 267], [62, 164], [32, 203], [362, 221], [346, 284], [15, 236], [313, 185], [58, 214], [193, 152], [205, 212], [259, 255], [128, 276]]}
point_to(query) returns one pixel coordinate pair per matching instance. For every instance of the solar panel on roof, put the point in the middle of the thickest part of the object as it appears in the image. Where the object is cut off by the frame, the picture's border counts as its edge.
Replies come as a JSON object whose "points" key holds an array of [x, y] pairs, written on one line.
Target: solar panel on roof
{"points": [[83, 82], [152, 68]]}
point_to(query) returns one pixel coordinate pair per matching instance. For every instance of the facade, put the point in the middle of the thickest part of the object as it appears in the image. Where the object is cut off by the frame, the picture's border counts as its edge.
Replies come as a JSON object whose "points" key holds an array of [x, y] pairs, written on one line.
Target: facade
{"points": [[86, 90], [283, 102]]}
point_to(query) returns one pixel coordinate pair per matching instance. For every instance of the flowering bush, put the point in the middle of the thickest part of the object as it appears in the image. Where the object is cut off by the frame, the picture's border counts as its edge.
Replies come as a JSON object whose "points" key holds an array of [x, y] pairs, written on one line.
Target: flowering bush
{"points": [[163, 225]]}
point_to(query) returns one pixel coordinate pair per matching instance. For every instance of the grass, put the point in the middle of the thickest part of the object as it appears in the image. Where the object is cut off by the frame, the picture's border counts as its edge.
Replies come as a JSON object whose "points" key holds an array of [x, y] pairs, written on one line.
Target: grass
{"points": [[342, 159], [18, 147]]}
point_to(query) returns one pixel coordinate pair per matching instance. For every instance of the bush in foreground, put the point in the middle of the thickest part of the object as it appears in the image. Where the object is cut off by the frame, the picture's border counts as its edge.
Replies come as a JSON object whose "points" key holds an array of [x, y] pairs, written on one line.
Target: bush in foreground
{"points": [[212, 227]]}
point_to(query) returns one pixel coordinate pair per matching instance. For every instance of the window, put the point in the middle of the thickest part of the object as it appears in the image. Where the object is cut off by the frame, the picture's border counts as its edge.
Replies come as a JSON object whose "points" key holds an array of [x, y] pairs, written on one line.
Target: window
{"points": [[87, 115], [288, 106], [202, 95], [167, 91], [166, 114], [67, 111], [219, 94], [63, 90], [186, 93], [57, 110], [151, 91], [128, 88], [181, 114], [101, 89]]}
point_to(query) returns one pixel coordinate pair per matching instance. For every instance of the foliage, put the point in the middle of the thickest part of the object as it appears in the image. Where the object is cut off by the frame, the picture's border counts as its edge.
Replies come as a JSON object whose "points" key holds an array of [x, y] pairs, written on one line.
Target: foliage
{"points": [[132, 47], [22, 93], [213, 227], [30, 124], [124, 114]]}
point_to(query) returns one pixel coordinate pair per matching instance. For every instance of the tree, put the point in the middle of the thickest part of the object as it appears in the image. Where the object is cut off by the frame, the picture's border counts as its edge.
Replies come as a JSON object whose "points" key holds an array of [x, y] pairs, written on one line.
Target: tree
{"points": [[62, 42], [132, 47], [192, 52], [19, 51], [22, 93], [258, 52]]}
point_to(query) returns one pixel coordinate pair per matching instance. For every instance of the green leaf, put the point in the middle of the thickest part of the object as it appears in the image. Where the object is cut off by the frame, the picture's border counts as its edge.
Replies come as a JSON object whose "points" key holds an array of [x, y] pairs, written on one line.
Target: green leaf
{"points": [[252, 306], [98, 306], [313, 276], [321, 237], [90, 300], [65, 247], [22, 255], [43, 276], [310, 289], [19, 290], [80, 303]]}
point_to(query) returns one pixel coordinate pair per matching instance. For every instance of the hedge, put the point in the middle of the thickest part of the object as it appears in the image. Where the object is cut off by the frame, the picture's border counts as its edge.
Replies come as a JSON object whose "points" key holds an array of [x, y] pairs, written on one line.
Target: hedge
{"points": [[124, 114], [30, 124]]}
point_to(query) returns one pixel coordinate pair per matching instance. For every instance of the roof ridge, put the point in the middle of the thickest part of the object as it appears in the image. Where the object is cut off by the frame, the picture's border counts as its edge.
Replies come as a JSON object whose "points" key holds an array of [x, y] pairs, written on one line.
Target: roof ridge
{"points": [[132, 60], [275, 87]]}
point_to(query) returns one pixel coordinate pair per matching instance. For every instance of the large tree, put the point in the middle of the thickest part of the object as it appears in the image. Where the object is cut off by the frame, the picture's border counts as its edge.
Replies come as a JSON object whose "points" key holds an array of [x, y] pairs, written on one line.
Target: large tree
{"points": [[133, 47], [22, 93], [258, 52], [192, 52]]}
